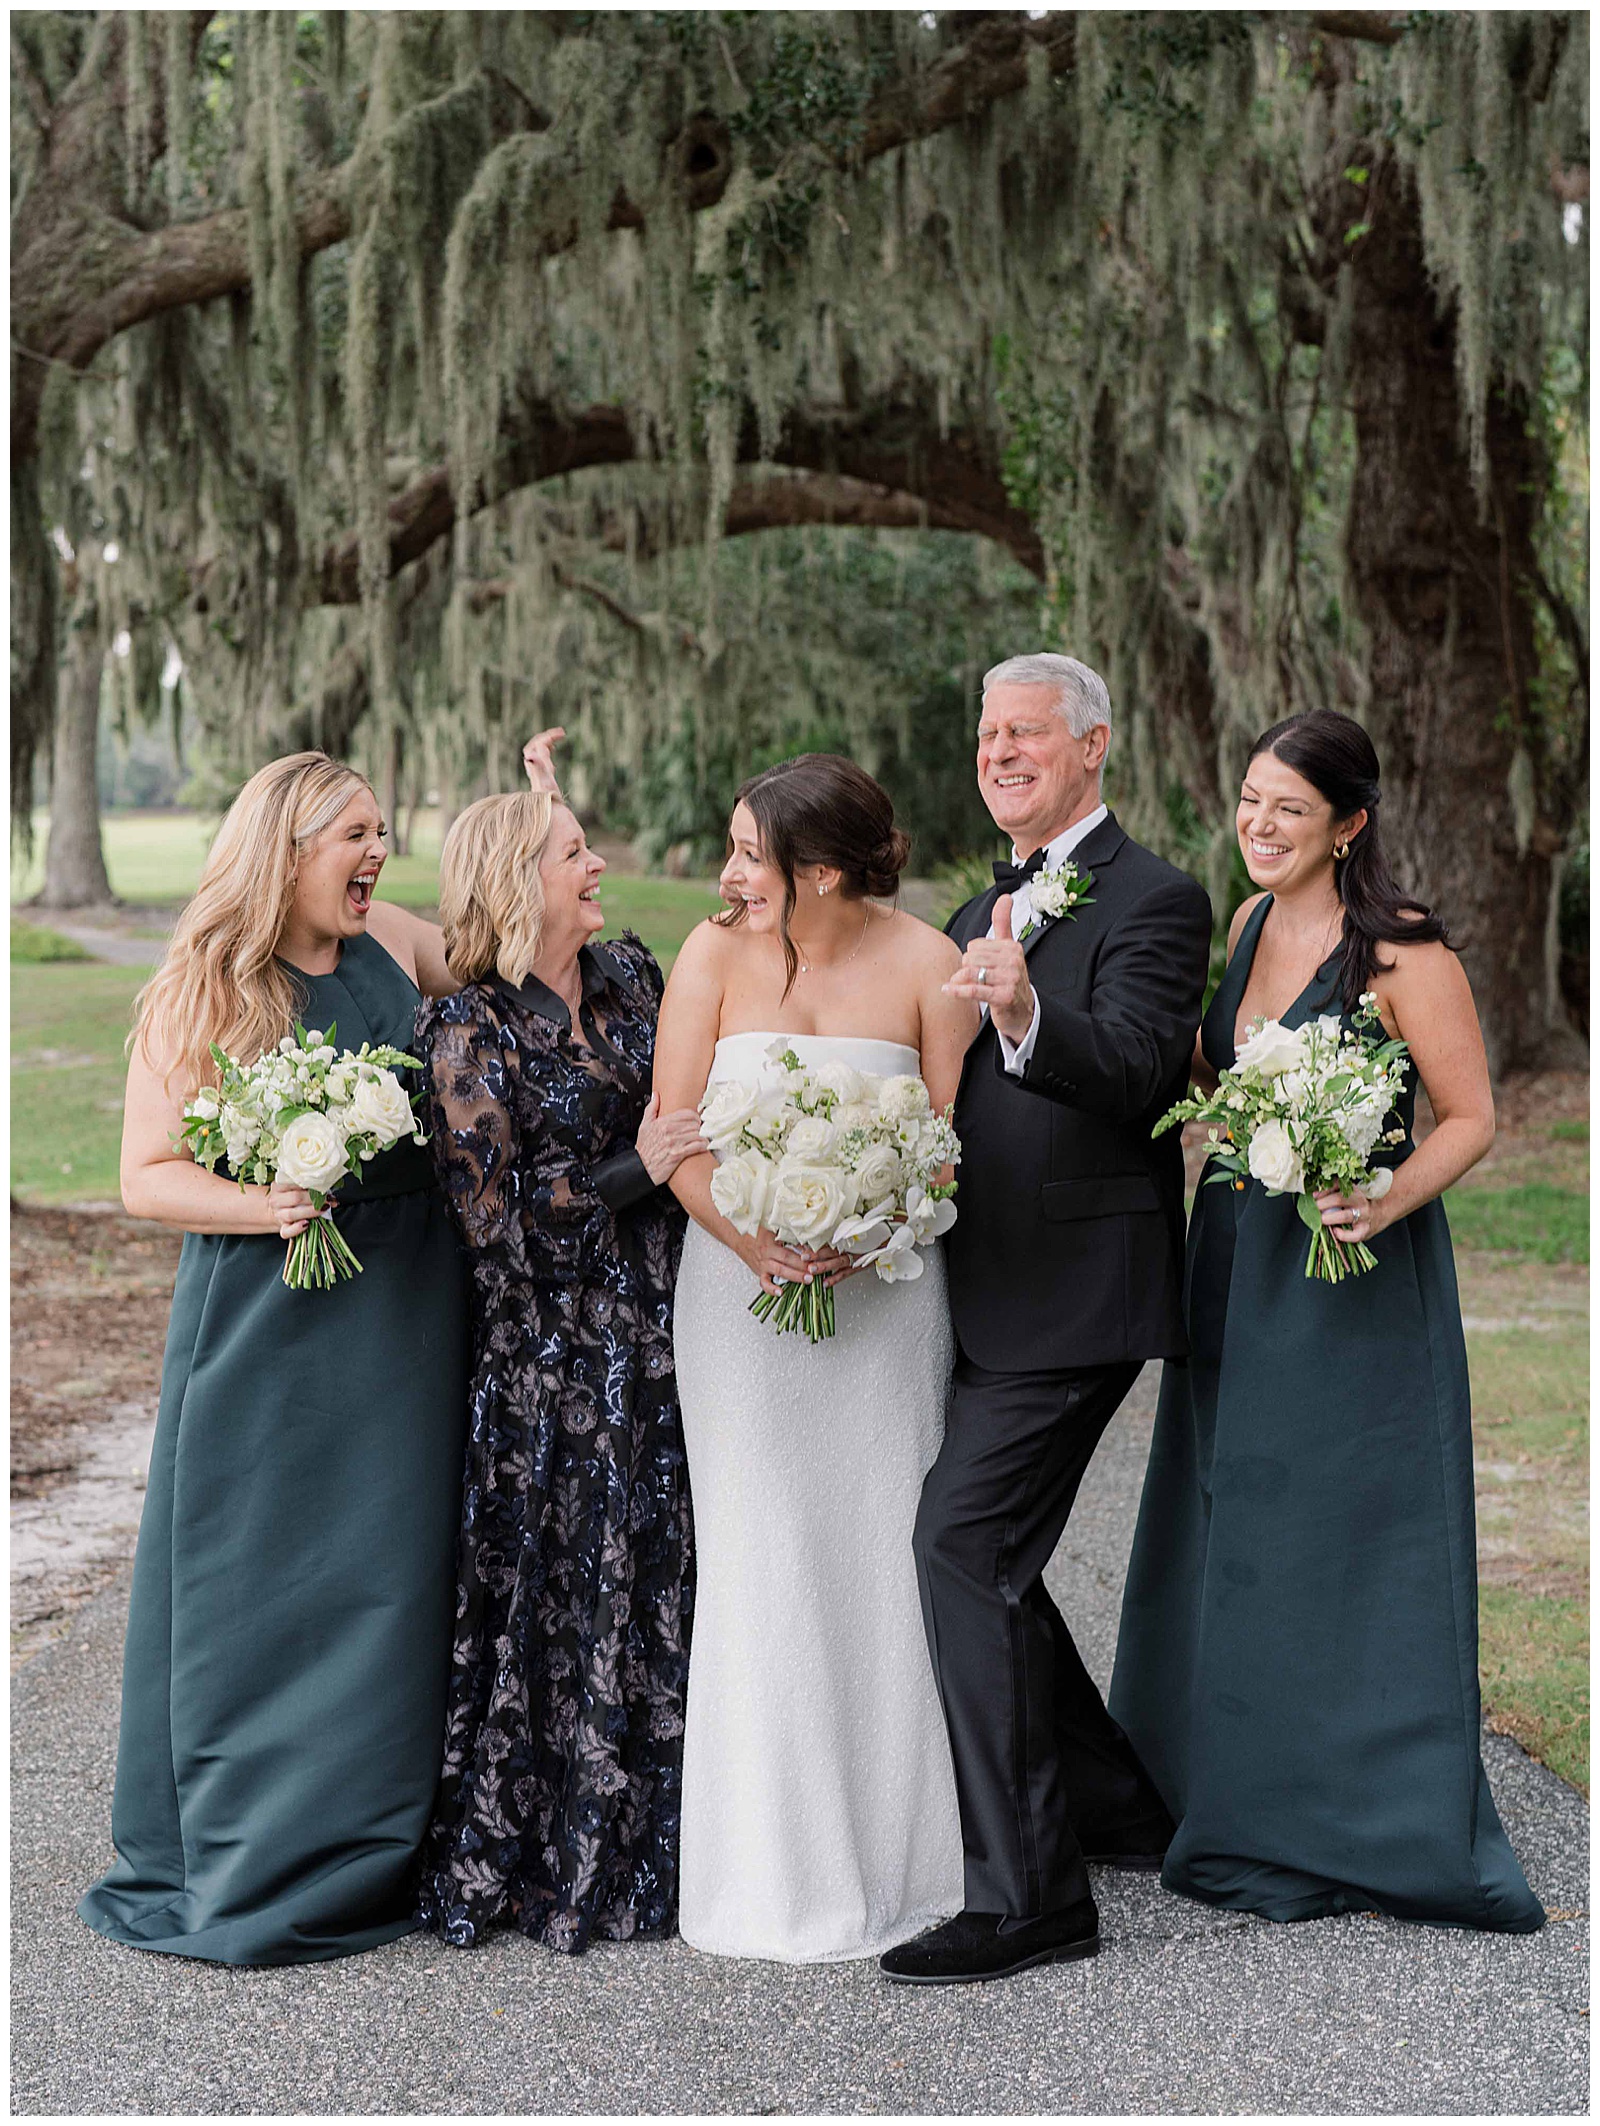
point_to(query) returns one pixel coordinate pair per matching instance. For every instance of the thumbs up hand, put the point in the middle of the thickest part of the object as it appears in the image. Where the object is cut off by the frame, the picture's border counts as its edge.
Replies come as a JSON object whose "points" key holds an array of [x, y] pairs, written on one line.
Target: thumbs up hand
{"points": [[993, 971]]}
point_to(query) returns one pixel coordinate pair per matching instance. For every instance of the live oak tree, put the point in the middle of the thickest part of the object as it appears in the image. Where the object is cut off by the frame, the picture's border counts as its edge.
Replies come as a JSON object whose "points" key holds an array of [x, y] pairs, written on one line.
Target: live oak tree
{"points": [[425, 367]]}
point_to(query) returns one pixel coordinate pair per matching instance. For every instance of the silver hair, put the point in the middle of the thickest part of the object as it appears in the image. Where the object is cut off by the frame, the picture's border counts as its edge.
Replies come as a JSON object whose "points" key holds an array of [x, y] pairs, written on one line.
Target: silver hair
{"points": [[1080, 693]]}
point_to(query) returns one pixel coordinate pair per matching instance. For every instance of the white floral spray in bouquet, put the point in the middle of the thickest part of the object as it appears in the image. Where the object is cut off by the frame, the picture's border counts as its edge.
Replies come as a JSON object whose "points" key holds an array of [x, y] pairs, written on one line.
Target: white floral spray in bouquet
{"points": [[1302, 1110], [829, 1156], [305, 1114]]}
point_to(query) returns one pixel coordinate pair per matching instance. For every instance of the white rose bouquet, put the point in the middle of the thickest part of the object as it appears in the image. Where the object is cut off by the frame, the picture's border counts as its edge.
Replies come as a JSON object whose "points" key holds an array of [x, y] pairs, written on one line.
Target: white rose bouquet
{"points": [[830, 1157], [304, 1114], [1302, 1110]]}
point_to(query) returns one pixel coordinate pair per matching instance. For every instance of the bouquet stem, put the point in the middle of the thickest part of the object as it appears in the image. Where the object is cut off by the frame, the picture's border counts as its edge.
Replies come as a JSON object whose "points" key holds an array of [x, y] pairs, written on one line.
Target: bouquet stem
{"points": [[1333, 1259], [318, 1258], [797, 1306]]}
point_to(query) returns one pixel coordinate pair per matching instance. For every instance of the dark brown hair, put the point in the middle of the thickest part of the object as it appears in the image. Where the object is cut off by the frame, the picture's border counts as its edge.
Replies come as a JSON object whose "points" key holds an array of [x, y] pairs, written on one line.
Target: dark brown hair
{"points": [[820, 808], [1337, 758]]}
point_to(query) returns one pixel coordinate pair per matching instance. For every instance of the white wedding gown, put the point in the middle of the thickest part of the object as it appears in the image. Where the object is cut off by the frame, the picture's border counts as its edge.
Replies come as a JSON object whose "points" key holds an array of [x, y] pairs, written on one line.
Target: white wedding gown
{"points": [[819, 1804]]}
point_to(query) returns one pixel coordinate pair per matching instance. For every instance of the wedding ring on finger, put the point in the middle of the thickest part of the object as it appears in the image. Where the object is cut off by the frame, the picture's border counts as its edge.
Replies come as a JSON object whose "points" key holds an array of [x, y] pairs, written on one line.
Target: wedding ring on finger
{"points": [[983, 975]]}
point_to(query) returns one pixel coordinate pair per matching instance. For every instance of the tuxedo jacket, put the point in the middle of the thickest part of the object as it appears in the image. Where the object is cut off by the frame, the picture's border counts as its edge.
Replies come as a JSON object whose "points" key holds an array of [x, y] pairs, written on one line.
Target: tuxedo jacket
{"points": [[1067, 1250]]}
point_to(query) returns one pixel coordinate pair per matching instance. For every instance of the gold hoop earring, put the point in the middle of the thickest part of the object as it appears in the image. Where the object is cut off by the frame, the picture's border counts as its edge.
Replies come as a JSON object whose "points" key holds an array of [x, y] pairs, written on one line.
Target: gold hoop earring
{"points": [[1341, 850]]}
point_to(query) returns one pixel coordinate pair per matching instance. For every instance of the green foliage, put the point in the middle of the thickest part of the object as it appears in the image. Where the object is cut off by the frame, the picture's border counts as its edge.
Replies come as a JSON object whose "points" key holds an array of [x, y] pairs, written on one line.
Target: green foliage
{"points": [[33, 945], [964, 878]]}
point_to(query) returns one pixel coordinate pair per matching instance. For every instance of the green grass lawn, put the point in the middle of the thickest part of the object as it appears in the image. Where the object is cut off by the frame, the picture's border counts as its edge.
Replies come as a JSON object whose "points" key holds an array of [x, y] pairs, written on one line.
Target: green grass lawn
{"points": [[1528, 1343]]}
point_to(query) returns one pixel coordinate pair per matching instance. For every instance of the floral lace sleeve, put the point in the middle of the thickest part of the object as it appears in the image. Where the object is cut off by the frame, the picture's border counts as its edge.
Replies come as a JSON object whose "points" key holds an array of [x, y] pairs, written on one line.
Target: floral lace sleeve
{"points": [[468, 1064], [511, 1182]]}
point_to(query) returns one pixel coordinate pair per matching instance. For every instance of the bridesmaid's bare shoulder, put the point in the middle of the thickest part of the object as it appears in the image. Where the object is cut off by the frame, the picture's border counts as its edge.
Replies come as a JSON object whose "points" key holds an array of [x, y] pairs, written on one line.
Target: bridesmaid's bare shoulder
{"points": [[1242, 915]]}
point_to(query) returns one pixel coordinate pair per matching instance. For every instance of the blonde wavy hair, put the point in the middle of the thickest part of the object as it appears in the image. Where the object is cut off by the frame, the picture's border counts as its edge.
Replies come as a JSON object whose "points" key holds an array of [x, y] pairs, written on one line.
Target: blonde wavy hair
{"points": [[220, 979], [491, 897]]}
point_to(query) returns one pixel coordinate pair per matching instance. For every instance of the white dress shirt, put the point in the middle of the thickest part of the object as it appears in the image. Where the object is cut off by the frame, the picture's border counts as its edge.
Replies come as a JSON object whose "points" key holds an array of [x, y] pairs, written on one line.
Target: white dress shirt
{"points": [[1056, 852]]}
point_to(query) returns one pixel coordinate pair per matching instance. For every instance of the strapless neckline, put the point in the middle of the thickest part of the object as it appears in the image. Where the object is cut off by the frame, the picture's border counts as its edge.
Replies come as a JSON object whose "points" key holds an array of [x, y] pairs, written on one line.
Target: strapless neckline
{"points": [[830, 1040]]}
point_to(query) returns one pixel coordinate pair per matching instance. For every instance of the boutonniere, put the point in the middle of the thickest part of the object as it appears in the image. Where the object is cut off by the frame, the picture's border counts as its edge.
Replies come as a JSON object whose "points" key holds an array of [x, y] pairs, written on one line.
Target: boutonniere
{"points": [[1056, 891]]}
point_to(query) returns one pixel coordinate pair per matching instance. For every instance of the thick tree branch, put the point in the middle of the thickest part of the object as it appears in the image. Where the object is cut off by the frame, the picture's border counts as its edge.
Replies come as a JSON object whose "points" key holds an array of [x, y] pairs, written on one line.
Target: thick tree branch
{"points": [[1359, 25], [136, 275], [893, 449], [760, 501], [991, 63]]}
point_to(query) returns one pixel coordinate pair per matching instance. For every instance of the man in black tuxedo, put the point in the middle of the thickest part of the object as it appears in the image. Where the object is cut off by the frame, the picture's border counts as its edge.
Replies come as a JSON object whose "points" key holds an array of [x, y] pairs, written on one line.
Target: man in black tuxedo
{"points": [[1065, 1265]]}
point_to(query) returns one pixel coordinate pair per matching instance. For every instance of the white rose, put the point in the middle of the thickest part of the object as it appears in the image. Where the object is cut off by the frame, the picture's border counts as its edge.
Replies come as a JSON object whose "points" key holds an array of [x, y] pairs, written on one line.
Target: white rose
{"points": [[726, 1108], [741, 1189], [845, 1084], [205, 1105], [879, 1172], [1274, 1161], [311, 1154], [903, 1099], [1272, 1049], [812, 1139], [808, 1202], [379, 1106], [1380, 1184]]}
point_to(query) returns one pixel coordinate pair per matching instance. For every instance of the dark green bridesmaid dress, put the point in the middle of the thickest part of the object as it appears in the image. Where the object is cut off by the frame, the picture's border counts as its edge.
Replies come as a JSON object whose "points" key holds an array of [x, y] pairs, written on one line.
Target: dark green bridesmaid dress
{"points": [[293, 1597], [1297, 1662]]}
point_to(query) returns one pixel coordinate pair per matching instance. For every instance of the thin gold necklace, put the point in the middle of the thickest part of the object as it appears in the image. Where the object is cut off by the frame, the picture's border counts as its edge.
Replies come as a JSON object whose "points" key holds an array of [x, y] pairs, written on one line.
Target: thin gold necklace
{"points": [[806, 966]]}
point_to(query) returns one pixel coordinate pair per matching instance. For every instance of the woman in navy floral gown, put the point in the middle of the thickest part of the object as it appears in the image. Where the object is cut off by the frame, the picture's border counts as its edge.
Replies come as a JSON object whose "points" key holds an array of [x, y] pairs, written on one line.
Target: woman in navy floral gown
{"points": [[559, 1798]]}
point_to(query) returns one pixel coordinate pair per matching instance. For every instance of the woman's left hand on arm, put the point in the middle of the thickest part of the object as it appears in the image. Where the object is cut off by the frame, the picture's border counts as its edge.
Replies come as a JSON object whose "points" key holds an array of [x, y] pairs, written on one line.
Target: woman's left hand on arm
{"points": [[665, 1141]]}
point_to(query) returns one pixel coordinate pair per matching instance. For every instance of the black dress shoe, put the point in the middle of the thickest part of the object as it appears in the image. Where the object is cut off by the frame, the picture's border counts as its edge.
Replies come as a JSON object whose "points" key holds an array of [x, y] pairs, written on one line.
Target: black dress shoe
{"points": [[979, 1945]]}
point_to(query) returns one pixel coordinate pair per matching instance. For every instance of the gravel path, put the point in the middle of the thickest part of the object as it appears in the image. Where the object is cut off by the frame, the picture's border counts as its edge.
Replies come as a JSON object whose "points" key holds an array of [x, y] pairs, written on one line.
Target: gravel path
{"points": [[1186, 2009]]}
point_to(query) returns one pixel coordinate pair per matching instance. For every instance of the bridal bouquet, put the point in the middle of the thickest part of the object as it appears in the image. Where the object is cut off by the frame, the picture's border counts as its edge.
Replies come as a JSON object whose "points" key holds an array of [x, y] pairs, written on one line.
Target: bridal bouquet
{"points": [[828, 1156], [304, 1114], [1303, 1110]]}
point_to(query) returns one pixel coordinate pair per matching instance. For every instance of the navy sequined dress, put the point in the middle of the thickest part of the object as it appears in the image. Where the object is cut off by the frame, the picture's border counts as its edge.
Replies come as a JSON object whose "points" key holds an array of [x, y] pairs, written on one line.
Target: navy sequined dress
{"points": [[559, 1799]]}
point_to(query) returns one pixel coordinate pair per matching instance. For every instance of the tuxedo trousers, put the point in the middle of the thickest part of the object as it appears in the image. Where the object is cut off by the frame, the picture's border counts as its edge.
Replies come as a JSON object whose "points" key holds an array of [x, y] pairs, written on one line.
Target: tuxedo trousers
{"points": [[1043, 1772]]}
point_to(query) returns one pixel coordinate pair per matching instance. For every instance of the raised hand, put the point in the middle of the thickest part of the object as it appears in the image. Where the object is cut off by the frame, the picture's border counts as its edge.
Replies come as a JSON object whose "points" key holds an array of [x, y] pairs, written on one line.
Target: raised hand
{"points": [[994, 971], [536, 758]]}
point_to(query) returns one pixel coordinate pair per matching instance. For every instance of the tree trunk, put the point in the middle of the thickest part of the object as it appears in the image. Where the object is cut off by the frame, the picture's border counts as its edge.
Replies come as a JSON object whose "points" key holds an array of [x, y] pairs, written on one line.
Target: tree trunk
{"points": [[389, 755], [75, 862], [1440, 581]]}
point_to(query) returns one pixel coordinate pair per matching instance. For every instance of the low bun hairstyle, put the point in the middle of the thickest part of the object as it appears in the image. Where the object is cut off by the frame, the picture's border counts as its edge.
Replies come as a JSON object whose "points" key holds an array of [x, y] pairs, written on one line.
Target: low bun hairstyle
{"points": [[1338, 759], [820, 808]]}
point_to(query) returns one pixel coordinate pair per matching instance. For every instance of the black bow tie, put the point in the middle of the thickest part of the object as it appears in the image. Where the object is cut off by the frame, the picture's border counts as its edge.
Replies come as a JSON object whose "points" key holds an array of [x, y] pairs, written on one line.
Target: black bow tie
{"points": [[1009, 876]]}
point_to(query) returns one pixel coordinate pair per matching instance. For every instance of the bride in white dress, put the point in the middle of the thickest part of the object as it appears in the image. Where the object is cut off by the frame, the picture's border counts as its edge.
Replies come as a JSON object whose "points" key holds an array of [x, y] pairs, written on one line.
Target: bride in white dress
{"points": [[819, 1805]]}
